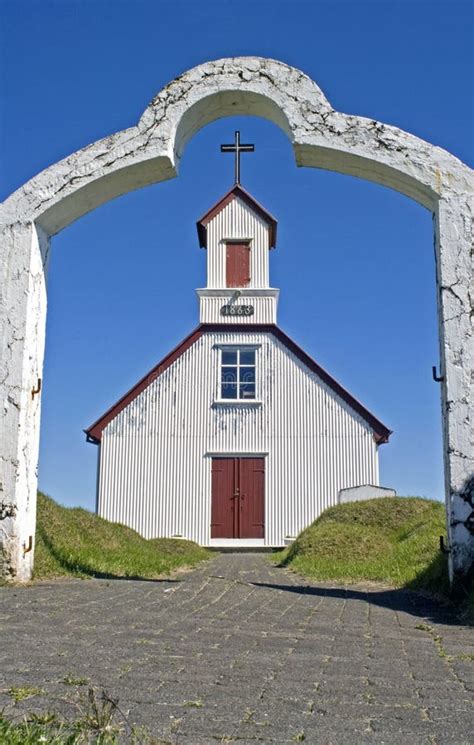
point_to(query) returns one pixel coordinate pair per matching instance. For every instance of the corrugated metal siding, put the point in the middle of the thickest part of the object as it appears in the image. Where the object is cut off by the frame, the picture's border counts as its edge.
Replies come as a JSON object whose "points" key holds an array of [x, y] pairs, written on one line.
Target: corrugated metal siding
{"points": [[237, 220], [155, 465], [264, 310]]}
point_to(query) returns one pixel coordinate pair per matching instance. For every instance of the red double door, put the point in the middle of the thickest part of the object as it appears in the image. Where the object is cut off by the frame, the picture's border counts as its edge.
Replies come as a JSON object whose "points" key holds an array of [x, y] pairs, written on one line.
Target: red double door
{"points": [[238, 498]]}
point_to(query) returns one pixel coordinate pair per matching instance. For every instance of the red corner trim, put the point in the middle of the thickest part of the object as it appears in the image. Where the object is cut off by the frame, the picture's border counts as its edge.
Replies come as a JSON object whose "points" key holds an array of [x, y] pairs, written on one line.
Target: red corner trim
{"points": [[381, 432], [236, 191], [94, 432]]}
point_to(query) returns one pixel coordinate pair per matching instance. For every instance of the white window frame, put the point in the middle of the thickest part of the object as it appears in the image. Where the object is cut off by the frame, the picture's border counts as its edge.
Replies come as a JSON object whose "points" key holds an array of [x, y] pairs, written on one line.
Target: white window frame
{"points": [[238, 401]]}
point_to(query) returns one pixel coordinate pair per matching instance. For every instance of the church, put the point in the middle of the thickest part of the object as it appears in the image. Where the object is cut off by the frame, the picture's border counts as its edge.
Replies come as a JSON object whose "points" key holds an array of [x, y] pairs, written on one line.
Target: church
{"points": [[237, 437]]}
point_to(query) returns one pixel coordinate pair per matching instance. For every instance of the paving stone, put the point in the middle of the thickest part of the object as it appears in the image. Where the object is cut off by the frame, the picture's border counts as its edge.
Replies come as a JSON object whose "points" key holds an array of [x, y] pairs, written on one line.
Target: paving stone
{"points": [[241, 649]]}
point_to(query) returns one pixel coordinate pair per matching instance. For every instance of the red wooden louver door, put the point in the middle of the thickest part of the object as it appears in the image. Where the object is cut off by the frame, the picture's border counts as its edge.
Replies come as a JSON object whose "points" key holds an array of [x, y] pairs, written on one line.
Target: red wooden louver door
{"points": [[237, 264], [238, 498], [223, 509], [252, 487]]}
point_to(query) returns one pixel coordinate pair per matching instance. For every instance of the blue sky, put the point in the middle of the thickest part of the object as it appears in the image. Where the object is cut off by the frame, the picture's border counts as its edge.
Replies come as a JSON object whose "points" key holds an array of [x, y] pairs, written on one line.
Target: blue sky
{"points": [[354, 260]]}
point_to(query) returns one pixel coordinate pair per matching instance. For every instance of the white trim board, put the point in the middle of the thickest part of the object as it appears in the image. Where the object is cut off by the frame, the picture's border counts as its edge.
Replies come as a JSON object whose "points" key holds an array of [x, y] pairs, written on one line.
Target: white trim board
{"points": [[237, 543]]}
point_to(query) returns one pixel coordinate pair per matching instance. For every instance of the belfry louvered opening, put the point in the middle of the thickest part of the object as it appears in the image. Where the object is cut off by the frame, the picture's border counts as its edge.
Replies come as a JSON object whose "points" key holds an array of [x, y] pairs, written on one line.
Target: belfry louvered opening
{"points": [[237, 264]]}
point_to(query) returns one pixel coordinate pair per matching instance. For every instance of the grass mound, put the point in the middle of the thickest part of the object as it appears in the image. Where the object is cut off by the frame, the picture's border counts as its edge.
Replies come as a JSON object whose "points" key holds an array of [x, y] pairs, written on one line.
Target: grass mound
{"points": [[393, 540], [77, 542]]}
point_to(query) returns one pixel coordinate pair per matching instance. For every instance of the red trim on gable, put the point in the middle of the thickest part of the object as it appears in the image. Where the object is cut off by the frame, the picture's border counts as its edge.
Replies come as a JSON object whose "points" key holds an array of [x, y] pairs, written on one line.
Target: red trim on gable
{"points": [[236, 191], [381, 432], [94, 432]]}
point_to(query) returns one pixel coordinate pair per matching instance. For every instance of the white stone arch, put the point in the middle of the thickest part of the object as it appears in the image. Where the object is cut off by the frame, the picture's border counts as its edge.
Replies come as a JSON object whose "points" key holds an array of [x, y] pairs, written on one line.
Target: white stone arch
{"points": [[149, 153]]}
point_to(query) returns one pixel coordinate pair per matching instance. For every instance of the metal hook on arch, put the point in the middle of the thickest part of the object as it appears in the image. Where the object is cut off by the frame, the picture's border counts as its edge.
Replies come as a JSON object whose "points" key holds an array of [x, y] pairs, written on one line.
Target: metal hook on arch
{"points": [[437, 378]]}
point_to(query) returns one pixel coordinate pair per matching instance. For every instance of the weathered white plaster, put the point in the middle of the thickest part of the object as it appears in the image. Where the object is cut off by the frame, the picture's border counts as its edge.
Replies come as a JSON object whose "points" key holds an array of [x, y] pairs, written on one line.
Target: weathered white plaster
{"points": [[25, 250], [150, 152]]}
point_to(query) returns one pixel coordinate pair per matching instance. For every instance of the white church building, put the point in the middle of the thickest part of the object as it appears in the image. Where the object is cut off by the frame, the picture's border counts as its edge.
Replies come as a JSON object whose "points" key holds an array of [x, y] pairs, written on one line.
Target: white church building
{"points": [[237, 437]]}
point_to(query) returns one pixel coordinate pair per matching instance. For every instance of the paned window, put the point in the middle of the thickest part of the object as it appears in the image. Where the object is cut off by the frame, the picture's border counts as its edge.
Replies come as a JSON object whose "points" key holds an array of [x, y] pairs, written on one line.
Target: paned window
{"points": [[238, 373]]}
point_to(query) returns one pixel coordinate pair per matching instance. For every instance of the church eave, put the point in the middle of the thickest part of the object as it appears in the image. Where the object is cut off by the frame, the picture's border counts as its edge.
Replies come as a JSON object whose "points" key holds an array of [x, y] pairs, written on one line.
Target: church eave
{"points": [[236, 191], [380, 431], [94, 432]]}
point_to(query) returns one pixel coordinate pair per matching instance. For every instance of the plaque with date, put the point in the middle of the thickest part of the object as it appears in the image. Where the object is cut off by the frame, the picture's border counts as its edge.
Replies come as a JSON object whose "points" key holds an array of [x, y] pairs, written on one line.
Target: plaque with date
{"points": [[237, 310]]}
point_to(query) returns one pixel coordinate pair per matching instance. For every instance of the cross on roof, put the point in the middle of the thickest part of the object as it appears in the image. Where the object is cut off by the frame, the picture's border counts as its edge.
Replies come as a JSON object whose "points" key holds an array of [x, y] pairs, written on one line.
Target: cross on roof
{"points": [[237, 148]]}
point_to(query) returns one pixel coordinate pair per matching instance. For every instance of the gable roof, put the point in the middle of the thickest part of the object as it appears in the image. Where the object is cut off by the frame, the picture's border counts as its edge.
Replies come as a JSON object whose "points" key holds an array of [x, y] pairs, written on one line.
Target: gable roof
{"points": [[94, 432], [236, 191]]}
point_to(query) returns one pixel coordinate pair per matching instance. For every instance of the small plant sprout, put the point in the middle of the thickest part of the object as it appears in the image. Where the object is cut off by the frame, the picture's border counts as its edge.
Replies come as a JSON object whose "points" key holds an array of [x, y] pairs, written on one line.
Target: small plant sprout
{"points": [[20, 693], [72, 680], [197, 704]]}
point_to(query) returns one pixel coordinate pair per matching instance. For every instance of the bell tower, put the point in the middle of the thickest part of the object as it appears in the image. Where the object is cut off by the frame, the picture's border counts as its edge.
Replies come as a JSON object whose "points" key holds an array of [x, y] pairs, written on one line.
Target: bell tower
{"points": [[238, 234]]}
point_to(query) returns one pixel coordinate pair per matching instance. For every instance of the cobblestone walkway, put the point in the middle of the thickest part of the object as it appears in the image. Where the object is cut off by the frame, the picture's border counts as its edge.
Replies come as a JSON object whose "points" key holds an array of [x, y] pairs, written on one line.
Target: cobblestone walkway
{"points": [[241, 651]]}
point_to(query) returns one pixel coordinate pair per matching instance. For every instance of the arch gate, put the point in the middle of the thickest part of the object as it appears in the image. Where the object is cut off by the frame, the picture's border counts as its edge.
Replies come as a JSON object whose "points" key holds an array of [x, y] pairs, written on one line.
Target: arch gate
{"points": [[149, 153]]}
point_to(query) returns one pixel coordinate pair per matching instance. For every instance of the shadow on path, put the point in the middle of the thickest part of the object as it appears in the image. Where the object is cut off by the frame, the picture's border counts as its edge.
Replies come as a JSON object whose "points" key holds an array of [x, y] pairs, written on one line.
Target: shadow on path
{"points": [[403, 600]]}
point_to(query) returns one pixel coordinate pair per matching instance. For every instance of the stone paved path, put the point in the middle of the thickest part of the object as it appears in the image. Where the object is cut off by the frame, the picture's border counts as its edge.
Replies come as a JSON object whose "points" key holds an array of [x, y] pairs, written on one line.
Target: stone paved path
{"points": [[241, 651]]}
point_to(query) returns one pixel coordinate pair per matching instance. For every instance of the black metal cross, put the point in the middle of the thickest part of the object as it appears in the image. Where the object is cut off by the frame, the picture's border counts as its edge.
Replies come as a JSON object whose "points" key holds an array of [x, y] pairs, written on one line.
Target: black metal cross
{"points": [[237, 148]]}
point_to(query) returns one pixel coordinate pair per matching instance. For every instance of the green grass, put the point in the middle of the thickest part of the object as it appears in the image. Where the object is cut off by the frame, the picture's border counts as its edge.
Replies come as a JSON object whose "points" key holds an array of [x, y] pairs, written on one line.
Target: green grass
{"points": [[99, 721], [77, 542], [393, 540], [23, 692]]}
